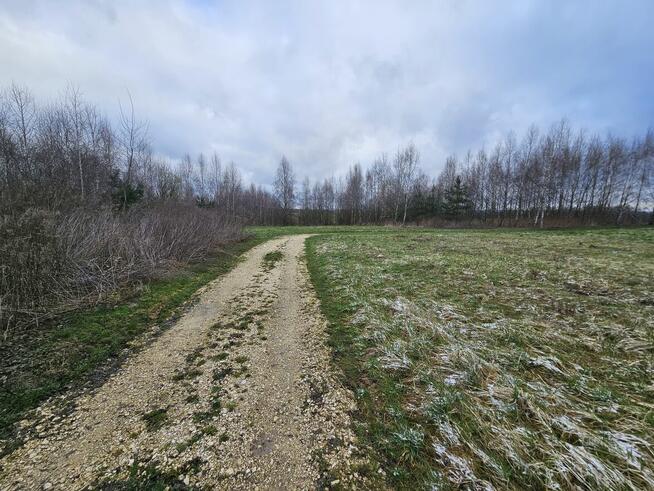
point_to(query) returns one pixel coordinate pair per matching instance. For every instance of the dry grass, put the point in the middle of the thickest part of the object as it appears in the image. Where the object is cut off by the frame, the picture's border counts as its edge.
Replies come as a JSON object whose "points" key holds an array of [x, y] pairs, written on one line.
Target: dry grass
{"points": [[501, 360]]}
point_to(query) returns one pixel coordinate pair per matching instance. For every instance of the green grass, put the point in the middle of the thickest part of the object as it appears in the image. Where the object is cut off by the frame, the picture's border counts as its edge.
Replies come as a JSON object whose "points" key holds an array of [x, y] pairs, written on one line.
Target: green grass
{"points": [[270, 259], [155, 419], [65, 355], [523, 359]]}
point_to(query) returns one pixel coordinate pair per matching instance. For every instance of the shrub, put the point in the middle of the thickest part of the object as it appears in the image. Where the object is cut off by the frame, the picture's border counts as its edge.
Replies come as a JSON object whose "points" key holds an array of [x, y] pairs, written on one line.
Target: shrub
{"points": [[51, 262]]}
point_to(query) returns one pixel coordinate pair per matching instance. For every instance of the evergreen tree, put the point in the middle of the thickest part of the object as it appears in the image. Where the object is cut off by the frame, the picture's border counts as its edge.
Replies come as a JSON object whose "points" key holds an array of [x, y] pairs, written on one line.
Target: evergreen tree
{"points": [[457, 203], [125, 194], [425, 205], [435, 201], [420, 206]]}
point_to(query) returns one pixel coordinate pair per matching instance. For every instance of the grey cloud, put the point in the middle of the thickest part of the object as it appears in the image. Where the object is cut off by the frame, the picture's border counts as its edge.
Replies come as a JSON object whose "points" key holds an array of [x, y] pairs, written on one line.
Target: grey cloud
{"points": [[331, 83]]}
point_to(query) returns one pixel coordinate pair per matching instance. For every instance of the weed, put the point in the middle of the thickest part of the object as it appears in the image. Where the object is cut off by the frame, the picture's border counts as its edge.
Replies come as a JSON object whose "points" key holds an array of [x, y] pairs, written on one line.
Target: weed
{"points": [[222, 372], [210, 430], [187, 373], [194, 356], [155, 419], [220, 356], [271, 259]]}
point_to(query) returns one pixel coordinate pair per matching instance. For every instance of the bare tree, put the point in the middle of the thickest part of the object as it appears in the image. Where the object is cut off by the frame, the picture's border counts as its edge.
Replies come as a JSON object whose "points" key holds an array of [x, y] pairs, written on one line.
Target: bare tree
{"points": [[75, 118], [285, 188], [353, 196], [22, 113], [405, 166], [132, 139], [306, 212], [215, 172]]}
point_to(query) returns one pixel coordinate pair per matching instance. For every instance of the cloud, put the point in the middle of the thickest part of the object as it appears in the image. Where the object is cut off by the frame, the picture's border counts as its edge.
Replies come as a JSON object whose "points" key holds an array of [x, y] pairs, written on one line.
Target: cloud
{"points": [[332, 83]]}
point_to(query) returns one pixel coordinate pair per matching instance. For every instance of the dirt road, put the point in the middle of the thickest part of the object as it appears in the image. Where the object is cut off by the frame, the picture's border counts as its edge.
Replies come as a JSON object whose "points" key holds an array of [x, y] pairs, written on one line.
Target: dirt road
{"points": [[239, 393]]}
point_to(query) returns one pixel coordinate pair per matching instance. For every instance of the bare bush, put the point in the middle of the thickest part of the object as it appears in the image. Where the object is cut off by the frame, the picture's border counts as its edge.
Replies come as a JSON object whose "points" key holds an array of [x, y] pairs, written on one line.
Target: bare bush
{"points": [[53, 262]]}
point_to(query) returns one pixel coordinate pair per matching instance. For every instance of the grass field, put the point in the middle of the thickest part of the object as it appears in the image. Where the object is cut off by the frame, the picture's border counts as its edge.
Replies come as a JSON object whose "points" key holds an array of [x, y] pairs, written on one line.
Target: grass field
{"points": [[506, 359]]}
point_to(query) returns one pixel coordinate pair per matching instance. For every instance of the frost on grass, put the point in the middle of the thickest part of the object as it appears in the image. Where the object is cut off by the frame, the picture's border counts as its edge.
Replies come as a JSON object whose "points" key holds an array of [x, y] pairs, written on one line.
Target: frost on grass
{"points": [[550, 363], [458, 469], [519, 370], [394, 357]]}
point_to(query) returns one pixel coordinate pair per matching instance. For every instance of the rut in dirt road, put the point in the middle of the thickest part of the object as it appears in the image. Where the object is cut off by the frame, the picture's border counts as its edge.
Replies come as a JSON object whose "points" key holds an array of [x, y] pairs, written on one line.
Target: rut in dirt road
{"points": [[239, 393]]}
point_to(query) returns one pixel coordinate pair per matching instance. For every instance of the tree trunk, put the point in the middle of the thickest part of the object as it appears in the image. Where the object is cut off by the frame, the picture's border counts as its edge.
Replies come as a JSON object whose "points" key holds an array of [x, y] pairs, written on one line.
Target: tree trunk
{"points": [[406, 202]]}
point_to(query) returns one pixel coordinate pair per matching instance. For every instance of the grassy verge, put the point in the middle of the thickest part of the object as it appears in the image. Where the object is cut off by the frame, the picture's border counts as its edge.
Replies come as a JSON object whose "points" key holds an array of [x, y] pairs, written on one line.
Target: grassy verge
{"points": [[512, 359], [67, 354]]}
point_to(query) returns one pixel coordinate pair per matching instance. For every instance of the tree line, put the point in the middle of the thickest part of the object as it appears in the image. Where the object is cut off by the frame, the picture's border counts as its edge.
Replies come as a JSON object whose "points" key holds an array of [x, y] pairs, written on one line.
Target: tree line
{"points": [[66, 155], [560, 177]]}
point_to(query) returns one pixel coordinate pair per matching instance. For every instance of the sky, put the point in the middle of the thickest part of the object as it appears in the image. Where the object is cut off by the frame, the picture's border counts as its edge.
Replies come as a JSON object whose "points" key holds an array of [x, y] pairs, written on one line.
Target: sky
{"points": [[331, 83]]}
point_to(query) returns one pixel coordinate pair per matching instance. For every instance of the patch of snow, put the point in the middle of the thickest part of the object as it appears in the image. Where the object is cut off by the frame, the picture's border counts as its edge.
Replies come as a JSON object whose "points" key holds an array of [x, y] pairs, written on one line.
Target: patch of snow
{"points": [[395, 357], [412, 436], [588, 469], [495, 402], [449, 433], [458, 469], [487, 460], [626, 446], [360, 318], [548, 362], [399, 306], [452, 379]]}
